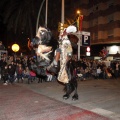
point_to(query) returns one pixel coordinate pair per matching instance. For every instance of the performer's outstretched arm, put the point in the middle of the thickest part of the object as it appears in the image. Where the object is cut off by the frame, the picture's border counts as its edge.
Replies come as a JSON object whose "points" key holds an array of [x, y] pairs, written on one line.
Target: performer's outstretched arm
{"points": [[54, 66]]}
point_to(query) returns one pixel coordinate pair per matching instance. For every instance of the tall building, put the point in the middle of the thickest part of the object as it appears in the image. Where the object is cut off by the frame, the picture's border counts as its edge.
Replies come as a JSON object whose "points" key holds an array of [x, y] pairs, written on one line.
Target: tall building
{"points": [[102, 20]]}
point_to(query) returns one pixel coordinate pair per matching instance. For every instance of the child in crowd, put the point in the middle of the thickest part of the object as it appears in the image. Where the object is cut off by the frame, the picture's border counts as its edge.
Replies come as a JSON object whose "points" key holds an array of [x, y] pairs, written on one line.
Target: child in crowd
{"points": [[32, 76]]}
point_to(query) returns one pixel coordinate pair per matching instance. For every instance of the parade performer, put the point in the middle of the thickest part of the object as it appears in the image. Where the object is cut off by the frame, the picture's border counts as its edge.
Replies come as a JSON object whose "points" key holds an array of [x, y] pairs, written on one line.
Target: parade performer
{"points": [[61, 64], [64, 54], [40, 44]]}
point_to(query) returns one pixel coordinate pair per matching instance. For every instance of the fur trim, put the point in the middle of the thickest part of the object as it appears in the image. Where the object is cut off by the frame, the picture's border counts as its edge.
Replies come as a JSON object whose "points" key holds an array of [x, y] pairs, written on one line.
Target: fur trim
{"points": [[71, 29]]}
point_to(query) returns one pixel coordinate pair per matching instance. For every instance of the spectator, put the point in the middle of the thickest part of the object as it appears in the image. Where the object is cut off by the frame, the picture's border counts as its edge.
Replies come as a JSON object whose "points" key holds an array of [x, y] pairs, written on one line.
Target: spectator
{"points": [[5, 75], [19, 72], [26, 73], [32, 76], [3, 63], [2, 47], [11, 73], [82, 71], [116, 69]]}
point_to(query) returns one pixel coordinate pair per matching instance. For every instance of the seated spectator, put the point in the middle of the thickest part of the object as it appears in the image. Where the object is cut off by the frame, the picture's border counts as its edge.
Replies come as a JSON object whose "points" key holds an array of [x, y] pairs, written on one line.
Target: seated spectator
{"points": [[98, 72], [19, 72], [26, 73], [79, 75], [82, 71], [32, 76], [94, 73], [87, 72]]}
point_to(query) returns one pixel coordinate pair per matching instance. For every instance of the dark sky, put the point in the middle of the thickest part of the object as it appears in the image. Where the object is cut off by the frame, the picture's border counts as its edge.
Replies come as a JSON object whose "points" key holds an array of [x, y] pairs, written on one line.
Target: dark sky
{"points": [[18, 18]]}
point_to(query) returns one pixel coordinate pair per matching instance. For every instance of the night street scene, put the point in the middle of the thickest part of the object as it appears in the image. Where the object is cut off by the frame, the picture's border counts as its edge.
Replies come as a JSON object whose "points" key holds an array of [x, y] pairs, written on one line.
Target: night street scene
{"points": [[60, 60]]}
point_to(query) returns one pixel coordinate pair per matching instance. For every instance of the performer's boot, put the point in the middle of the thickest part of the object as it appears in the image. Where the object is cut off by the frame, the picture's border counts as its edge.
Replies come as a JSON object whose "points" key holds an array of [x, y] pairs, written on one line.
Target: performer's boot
{"points": [[75, 96], [68, 91]]}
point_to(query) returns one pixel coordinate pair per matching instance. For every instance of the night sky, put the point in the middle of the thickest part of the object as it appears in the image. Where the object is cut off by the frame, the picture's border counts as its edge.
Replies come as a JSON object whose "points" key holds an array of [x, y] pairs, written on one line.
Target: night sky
{"points": [[18, 18]]}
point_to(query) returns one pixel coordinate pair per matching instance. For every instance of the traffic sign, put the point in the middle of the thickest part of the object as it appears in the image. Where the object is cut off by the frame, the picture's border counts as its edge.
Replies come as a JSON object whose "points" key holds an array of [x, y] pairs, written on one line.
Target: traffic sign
{"points": [[85, 38]]}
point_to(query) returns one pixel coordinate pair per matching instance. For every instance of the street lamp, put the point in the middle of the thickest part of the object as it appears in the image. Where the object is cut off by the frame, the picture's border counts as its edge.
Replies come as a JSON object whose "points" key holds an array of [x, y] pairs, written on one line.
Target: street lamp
{"points": [[78, 12], [63, 11], [15, 48], [80, 36]]}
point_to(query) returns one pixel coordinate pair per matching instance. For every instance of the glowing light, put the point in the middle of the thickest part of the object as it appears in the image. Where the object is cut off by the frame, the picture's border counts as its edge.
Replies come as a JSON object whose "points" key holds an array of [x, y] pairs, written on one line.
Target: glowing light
{"points": [[78, 11], [88, 49], [15, 47], [114, 49]]}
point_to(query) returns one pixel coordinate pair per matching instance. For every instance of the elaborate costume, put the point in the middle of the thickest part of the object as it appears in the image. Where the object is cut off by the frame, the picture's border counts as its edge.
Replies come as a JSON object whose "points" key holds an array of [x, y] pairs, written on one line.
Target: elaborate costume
{"points": [[62, 63], [42, 49]]}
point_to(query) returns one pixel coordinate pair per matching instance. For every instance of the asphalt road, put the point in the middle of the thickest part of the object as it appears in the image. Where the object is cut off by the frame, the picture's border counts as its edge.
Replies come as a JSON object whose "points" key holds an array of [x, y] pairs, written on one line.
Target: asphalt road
{"points": [[99, 96]]}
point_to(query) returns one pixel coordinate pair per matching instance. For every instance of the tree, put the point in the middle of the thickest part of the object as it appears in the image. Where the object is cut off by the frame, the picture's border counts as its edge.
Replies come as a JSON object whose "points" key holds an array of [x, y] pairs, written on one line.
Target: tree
{"points": [[19, 15]]}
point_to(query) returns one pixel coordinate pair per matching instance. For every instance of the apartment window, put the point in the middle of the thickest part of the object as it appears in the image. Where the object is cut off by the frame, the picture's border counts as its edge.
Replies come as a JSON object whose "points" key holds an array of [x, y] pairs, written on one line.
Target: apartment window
{"points": [[110, 33], [110, 18]]}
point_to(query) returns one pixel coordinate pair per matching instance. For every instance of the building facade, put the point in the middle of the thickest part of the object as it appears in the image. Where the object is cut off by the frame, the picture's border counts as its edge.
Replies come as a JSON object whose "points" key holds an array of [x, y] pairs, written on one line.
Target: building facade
{"points": [[102, 20]]}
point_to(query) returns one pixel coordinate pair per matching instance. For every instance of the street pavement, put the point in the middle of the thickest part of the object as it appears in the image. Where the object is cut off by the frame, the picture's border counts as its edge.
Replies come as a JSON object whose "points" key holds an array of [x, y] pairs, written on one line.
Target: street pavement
{"points": [[97, 98]]}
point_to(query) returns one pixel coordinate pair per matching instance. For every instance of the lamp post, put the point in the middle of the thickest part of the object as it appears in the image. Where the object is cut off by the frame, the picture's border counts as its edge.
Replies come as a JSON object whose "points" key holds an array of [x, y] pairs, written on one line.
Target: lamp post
{"points": [[39, 12], [79, 22], [78, 12], [15, 48], [63, 11], [46, 13]]}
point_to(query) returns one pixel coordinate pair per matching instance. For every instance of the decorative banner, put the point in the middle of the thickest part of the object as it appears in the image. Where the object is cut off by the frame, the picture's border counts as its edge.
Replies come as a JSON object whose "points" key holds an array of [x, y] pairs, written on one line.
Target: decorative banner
{"points": [[85, 38], [80, 22], [29, 44]]}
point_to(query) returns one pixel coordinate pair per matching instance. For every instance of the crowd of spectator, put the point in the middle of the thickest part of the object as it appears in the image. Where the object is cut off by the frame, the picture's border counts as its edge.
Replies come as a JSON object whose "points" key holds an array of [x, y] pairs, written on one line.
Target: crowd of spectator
{"points": [[12, 70], [17, 69], [86, 68]]}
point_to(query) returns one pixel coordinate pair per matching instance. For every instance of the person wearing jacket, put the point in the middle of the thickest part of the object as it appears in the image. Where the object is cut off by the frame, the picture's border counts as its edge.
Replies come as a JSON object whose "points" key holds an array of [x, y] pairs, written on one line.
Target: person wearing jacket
{"points": [[11, 73], [5, 75]]}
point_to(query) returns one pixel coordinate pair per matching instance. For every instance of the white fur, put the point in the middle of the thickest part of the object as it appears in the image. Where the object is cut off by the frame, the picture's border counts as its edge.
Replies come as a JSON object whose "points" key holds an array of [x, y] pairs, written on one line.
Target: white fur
{"points": [[66, 42], [71, 29]]}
